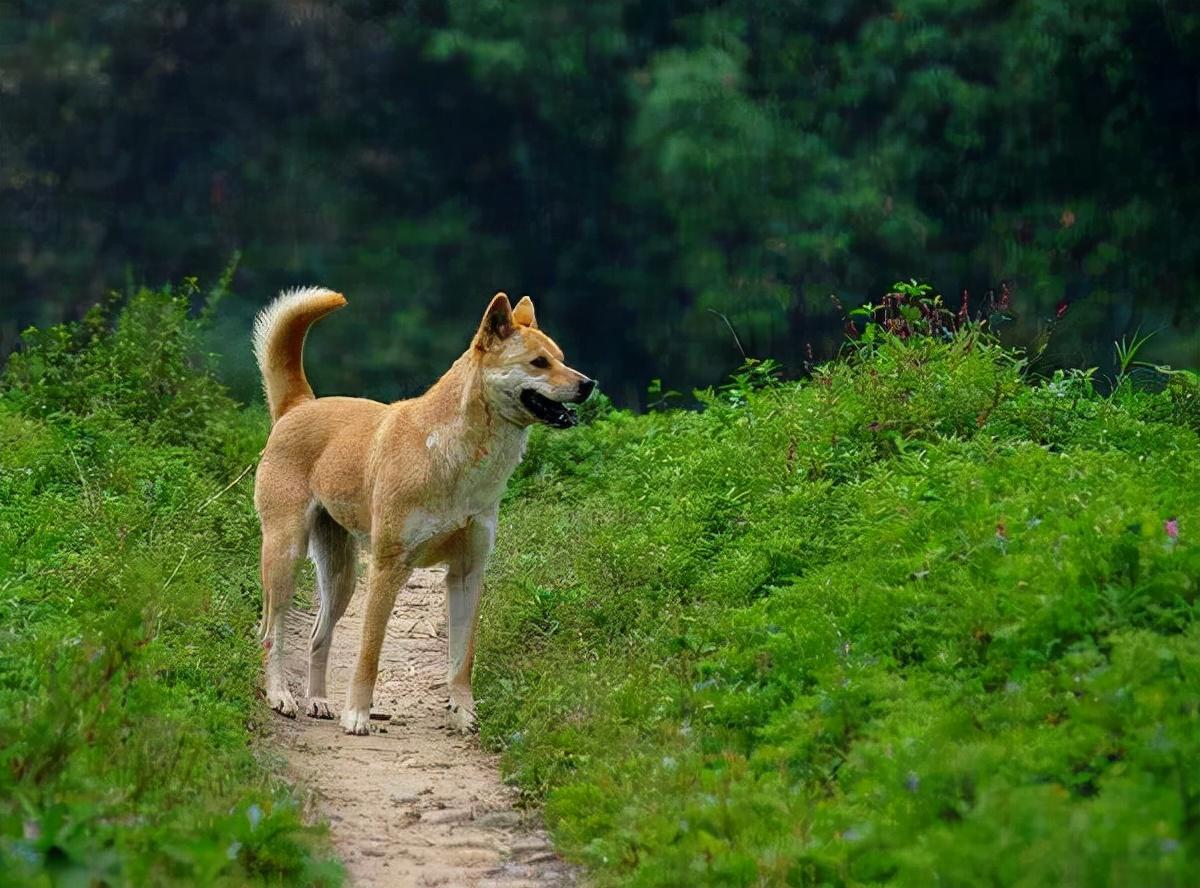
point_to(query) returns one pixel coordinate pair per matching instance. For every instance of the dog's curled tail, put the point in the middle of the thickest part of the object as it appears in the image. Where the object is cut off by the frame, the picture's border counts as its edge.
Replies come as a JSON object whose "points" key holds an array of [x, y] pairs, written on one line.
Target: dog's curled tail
{"points": [[279, 332]]}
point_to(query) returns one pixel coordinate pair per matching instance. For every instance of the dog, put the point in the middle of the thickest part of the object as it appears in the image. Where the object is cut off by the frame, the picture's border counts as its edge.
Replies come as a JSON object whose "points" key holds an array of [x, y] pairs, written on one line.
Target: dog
{"points": [[417, 483]]}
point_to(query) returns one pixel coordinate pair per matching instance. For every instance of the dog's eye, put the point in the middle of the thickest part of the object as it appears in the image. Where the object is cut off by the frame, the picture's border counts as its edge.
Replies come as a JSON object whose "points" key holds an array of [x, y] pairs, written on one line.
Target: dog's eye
{"points": [[540, 362]]}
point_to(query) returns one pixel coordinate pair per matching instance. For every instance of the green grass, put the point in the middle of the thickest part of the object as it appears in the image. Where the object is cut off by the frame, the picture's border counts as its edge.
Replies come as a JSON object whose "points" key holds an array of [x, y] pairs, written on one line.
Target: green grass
{"points": [[915, 621], [129, 715]]}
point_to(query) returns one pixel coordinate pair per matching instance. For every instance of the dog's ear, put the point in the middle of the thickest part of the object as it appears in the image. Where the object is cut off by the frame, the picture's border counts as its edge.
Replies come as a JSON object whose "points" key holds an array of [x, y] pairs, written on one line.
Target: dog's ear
{"points": [[497, 324], [523, 314]]}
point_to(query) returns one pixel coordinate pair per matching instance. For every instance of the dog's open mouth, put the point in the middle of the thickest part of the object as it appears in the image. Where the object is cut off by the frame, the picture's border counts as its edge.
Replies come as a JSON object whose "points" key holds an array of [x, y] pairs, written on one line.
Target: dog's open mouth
{"points": [[550, 412]]}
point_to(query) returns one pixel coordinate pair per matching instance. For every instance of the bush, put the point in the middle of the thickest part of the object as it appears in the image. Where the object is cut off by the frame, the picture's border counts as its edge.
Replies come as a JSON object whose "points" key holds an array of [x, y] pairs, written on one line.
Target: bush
{"points": [[128, 668], [915, 620]]}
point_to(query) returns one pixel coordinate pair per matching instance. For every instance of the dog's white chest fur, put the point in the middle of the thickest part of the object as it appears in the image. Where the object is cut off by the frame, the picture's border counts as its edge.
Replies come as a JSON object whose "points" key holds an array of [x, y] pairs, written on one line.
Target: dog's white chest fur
{"points": [[482, 483], [475, 488]]}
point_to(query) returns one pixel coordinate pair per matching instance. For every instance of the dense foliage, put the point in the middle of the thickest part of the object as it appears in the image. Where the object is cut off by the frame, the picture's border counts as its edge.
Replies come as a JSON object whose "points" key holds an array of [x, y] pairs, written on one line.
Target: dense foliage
{"points": [[913, 621], [634, 164], [128, 598]]}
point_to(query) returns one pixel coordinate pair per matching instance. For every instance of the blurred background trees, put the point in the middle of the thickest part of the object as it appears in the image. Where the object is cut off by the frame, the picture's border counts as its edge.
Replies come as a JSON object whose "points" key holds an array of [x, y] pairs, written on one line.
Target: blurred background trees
{"points": [[632, 165]]}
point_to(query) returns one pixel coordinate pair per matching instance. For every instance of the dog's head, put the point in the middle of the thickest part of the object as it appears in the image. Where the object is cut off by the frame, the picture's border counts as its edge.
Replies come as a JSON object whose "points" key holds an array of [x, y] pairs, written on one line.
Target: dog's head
{"points": [[523, 370]]}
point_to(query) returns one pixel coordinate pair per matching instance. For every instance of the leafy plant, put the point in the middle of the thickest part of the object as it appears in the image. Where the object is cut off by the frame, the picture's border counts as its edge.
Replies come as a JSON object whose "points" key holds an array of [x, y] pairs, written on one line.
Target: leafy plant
{"points": [[658, 398], [753, 375], [1127, 349], [129, 715], [916, 619]]}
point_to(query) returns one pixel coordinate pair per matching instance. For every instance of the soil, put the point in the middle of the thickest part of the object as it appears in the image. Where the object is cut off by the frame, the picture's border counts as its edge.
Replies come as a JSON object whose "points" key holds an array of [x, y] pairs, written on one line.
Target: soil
{"points": [[410, 804]]}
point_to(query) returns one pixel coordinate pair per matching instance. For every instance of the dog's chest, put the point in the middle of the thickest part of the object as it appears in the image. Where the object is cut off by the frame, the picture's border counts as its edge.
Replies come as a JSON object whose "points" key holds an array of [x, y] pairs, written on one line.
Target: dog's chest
{"points": [[482, 490], [474, 490]]}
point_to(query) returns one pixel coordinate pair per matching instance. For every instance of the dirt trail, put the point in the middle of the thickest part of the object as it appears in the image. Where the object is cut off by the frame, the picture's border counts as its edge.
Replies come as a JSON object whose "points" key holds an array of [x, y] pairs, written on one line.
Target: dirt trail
{"points": [[410, 804]]}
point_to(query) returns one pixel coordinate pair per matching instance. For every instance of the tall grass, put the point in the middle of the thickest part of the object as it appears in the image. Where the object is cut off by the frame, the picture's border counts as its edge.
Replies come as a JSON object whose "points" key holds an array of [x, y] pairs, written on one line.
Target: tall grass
{"points": [[129, 720], [913, 621]]}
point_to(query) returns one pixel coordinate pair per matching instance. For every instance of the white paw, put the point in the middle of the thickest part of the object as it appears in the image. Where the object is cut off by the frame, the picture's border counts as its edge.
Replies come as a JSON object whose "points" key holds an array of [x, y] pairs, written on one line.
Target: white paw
{"points": [[461, 717], [282, 701], [318, 707], [356, 721]]}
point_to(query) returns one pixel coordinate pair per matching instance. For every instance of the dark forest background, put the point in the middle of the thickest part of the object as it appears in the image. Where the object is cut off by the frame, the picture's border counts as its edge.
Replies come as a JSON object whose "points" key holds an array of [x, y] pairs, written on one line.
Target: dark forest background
{"points": [[631, 165]]}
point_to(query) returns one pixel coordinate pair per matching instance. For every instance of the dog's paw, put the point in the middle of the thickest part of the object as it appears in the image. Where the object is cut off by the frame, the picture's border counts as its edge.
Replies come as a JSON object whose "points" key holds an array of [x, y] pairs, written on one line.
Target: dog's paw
{"points": [[282, 701], [461, 716], [356, 721], [318, 707]]}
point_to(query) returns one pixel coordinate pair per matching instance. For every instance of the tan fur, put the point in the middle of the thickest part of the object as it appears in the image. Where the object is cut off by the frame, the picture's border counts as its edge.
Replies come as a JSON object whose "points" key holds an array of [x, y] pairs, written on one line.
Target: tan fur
{"points": [[418, 482], [279, 332]]}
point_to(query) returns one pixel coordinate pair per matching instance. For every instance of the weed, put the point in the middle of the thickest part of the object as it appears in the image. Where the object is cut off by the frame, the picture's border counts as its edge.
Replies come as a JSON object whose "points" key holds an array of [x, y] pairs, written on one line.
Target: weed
{"points": [[915, 619], [128, 671]]}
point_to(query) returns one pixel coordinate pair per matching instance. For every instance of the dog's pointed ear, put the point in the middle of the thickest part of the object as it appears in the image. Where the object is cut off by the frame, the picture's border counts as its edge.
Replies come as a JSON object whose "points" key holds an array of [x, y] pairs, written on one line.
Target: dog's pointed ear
{"points": [[523, 314], [497, 324]]}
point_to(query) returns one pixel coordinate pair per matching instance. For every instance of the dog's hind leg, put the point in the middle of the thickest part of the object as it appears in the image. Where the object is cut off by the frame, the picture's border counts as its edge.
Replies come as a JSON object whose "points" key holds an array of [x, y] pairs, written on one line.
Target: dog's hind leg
{"points": [[282, 545], [332, 550], [387, 576]]}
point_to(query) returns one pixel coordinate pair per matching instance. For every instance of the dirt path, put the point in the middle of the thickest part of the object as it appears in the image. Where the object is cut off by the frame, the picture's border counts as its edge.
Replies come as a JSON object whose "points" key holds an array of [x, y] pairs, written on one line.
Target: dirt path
{"points": [[410, 804]]}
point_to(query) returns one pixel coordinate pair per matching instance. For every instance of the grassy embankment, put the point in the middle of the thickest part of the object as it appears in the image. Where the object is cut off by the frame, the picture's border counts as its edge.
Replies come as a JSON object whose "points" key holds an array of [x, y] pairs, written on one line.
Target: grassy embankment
{"points": [[914, 617], [128, 601], [915, 621]]}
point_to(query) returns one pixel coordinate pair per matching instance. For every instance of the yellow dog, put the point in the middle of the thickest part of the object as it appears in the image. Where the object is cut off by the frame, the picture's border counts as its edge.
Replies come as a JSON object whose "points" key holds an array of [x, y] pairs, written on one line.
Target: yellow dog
{"points": [[418, 482]]}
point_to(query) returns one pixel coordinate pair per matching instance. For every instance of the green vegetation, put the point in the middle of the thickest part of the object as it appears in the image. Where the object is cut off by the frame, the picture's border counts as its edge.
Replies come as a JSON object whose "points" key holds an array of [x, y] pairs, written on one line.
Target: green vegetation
{"points": [[128, 598], [915, 620], [630, 163]]}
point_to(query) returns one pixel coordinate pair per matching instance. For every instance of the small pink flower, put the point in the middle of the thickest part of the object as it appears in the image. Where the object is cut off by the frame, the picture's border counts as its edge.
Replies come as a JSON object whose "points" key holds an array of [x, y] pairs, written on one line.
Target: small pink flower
{"points": [[1171, 528]]}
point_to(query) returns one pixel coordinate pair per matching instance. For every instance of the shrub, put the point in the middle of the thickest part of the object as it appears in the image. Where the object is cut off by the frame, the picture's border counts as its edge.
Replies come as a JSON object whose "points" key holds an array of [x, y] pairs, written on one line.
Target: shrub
{"points": [[128, 669], [914, 620]]}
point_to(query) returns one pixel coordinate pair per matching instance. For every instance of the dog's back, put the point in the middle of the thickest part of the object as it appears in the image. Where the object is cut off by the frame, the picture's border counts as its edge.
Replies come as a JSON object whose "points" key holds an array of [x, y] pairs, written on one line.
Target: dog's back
{"points": [[320, 450]]}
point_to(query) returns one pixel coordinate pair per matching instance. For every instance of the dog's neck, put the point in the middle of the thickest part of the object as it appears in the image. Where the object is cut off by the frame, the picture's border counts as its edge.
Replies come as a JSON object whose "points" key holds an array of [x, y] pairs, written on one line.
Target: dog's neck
{"points": [[481, 432]]}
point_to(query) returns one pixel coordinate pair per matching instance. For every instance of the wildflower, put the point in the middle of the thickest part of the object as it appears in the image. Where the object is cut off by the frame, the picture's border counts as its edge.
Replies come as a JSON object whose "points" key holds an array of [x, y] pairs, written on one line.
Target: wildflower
{"points": [[1005, 296], [1061, 310], [1171, 528]]}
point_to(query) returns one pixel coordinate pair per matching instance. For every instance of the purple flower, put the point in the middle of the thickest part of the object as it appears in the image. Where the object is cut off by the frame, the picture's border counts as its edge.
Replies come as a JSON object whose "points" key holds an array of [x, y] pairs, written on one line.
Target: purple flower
{"points": [[1171, 528]]}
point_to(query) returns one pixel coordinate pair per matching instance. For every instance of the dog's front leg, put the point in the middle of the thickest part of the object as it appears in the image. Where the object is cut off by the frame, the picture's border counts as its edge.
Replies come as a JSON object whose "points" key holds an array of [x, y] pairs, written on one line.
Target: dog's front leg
{"points": [[464, 585], [387, 576]]}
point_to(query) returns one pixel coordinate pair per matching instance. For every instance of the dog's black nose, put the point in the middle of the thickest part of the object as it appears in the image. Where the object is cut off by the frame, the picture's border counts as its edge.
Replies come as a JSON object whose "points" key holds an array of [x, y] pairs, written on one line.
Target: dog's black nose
{"points": [[585, 389]]}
